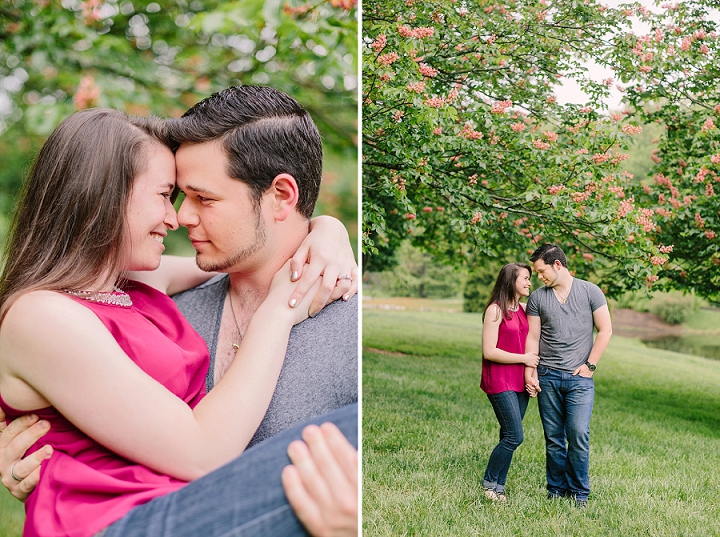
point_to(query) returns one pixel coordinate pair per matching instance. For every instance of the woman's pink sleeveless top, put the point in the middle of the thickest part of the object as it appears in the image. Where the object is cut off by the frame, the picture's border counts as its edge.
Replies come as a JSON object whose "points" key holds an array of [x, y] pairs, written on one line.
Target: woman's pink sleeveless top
{"points": [[498, 377], [85, 487]]}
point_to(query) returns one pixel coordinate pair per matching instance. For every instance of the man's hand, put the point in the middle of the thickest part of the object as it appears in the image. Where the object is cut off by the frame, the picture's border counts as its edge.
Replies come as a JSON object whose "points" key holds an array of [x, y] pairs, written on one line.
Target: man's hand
{"points": [[15, 440], [322, 483]]}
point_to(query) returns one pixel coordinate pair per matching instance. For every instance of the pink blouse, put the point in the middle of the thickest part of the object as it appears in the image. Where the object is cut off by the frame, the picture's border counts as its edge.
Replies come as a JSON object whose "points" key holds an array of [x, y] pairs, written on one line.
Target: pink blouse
{"points": [[497, 377], [84, 486]]}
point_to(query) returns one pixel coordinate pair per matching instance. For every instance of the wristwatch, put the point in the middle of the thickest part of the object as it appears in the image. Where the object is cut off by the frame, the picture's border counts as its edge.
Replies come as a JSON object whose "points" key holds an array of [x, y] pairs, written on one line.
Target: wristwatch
{"points": [[591, 367]]}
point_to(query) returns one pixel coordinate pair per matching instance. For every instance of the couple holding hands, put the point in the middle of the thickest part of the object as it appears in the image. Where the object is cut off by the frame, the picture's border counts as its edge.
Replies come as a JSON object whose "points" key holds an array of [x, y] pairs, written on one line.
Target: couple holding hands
{"points": [[544, 349]]}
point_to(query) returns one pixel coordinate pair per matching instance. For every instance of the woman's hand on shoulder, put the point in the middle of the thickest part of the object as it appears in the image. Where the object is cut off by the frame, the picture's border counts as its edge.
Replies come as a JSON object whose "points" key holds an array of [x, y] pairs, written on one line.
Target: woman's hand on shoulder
{"points": [[326, 252], [281, 302]]}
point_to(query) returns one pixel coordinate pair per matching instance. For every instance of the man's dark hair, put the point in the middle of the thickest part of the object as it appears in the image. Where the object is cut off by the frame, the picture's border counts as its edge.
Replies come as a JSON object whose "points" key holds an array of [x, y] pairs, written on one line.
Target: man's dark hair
{"points": [[549, 253], [264, 133]]}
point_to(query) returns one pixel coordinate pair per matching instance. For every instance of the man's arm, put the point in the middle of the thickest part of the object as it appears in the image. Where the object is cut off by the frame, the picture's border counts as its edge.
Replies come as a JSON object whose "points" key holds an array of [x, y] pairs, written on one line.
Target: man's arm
{"points": [[322, 483], [15, 440], [601, 318]]}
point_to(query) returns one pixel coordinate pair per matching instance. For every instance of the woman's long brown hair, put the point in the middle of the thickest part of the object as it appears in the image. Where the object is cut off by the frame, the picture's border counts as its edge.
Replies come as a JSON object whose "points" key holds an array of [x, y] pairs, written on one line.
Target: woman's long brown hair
{"points": [[504, 291], [69, 225]]}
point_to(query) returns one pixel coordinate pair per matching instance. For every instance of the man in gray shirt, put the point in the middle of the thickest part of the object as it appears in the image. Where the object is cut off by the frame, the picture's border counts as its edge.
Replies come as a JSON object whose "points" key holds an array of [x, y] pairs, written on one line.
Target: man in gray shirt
{"points": [[561, 319]]}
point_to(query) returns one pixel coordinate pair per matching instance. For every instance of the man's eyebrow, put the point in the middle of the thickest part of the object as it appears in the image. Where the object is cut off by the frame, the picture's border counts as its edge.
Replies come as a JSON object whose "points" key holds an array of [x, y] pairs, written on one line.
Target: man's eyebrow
{"points": [[196, 189]]}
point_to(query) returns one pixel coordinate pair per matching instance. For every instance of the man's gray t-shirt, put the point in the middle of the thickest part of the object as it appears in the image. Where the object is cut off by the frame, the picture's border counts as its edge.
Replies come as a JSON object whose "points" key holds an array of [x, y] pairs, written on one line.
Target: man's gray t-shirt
{"points": [[566, 330], [320, 371]]}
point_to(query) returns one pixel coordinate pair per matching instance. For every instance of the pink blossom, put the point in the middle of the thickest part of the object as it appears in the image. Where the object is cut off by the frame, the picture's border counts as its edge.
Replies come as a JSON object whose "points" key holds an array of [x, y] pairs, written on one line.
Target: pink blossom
{"points": [[645, 68], [427, 209], [405, 31], [476, 218], [427, 71], [388, 59], [685, 43], [551, 100], [551, 136], [630, 238], [554, 190], [588, 257], [632, 129], [671, 50], [417, 87], [665, 249], [470, 133], [699, 221], [599, 158], [586, 109], [653, 278], [658, 260], [410, 216], [708, 125], [539, 144], [379, 43], [397, 116], [608, 82], [647, 189], [499, 107], [710, 234], [709, 191], [579, 197], [704, 49], [663, 212], [617, 190], [700, 34], [435, 102], [658, 35], [87, 94], [626, 207], [472, 180], [437, 131], [582, 151], [518, 127]]}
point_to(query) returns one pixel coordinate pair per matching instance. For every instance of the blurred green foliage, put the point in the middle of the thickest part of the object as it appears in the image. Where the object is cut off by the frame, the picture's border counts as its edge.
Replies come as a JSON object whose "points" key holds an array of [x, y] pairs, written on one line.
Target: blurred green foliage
{"points": [[161, 57]]}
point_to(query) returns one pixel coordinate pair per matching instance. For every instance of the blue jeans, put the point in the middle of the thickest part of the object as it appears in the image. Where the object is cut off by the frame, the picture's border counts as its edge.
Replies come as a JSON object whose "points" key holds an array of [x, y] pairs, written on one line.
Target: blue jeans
{"points": [[509, 409], [565, 405], [243, 498]]}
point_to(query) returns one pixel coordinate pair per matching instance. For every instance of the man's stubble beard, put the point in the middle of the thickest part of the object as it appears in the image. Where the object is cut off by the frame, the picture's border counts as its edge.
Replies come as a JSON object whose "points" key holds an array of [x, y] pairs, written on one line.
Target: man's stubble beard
{"points": [[237, 257]]}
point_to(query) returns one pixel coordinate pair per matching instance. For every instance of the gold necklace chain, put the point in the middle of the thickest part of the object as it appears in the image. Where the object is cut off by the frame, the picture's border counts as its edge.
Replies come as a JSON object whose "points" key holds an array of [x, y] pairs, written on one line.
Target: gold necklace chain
{"points": [[559, 296], [236, 345]]}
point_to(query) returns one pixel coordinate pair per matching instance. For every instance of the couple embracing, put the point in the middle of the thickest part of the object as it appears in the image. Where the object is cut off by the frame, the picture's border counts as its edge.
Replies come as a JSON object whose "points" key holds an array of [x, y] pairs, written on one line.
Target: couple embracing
{"points": [[545, 350]]}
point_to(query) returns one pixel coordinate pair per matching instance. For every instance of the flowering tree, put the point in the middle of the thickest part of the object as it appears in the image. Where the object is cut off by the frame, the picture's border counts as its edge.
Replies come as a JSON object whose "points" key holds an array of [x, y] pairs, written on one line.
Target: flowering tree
{"points": [[465, 146], [673, 72]]}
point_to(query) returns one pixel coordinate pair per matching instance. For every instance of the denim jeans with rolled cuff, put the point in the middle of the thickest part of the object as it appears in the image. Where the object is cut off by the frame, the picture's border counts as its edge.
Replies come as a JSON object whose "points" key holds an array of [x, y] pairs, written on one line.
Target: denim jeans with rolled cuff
{"points": [[565, 404], [244, 498], [509, 409]]}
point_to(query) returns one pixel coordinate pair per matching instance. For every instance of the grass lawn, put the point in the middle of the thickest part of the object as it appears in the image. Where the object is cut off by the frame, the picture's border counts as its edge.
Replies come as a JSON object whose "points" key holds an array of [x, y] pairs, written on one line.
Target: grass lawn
{"points": [[12, 515], [428, 430]]}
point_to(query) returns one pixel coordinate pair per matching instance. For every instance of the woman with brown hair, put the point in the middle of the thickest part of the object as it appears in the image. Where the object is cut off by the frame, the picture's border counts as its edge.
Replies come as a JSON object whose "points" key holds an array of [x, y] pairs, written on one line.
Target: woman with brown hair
{"points": [[112, 365], [505, 328]]}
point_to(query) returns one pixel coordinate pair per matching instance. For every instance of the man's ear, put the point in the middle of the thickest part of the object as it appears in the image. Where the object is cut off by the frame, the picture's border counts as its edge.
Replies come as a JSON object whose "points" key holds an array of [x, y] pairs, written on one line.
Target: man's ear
{"points": [[283, 196]]}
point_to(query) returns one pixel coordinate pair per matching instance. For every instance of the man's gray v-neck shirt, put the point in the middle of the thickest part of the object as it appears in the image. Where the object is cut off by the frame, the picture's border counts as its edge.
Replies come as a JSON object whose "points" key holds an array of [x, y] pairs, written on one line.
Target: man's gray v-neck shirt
{"points": [[320, 371]]}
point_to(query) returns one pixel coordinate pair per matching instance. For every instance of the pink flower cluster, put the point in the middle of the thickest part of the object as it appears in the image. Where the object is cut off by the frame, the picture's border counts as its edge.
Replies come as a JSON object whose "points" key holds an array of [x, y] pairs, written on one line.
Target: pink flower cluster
{"points": [[599, 158], [399, 181], [708, 125], [645, 219], [470, 133], [665, 249], [518, 127], [500, 107], [379, 43], [435, 102], [710, 234], [87, 94], [416, 87], [626, 207], [554, 190], [632, 129], [709, 190], [715, 159], [699, 221], [388, 59], [426, 70], [658, 260], [617, 190], [551, 136], [579, 197], [406, 31], [437, 131], [539, 144], [476, 218]]}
